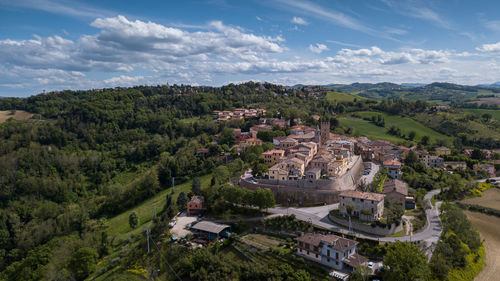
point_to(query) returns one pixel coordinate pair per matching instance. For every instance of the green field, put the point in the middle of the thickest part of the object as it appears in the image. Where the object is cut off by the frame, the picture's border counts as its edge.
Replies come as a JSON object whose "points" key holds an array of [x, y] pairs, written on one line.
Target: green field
{"points": [[146, 210], [494, 113], [342, 97], [406, 125]]}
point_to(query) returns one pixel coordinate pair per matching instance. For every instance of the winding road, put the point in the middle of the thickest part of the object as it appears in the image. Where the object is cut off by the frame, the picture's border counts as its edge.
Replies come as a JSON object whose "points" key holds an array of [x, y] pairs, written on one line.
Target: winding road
{"points": [[319, 217]]}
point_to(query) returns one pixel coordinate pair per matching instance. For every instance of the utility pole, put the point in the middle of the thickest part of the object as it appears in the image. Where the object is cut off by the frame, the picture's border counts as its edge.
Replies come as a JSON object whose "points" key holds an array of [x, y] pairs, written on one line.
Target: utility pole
{"points": [[173, 183], [147, 234]]}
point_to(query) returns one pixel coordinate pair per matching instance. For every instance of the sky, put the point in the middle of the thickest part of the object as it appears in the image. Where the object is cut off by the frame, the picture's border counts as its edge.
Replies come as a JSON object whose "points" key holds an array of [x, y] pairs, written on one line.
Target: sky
{"points": [[49, 45]]}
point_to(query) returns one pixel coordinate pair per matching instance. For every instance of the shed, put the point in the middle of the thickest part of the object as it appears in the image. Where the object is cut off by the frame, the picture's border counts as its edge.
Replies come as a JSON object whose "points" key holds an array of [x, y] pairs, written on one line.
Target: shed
{"points": [[210, 230]]}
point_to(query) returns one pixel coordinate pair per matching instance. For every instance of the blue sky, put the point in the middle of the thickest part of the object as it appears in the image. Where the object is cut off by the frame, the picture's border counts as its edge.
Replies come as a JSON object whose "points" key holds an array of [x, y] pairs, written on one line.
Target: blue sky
{"points": [[61, 44]]}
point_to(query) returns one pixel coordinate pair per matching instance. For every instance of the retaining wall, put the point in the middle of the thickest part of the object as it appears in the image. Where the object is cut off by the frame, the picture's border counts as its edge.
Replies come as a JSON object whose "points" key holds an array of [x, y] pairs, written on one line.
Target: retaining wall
{"points": [[377, 230]]}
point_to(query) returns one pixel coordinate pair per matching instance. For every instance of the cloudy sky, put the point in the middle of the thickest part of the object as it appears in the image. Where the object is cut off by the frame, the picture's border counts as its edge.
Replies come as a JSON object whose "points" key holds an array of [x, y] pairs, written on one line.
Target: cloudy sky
{"points": [[62, 44]]}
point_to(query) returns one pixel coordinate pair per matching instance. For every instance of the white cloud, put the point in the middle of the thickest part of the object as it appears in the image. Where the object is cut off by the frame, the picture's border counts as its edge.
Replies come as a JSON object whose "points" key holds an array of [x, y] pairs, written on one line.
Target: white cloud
{"points": [[258, 18], [299, 20], [491, 48], [318, 49]]}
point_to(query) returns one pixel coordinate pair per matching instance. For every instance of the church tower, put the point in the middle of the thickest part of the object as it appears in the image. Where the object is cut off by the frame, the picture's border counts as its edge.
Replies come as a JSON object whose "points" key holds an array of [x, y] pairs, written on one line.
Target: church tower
{"points": [[325, 132]]}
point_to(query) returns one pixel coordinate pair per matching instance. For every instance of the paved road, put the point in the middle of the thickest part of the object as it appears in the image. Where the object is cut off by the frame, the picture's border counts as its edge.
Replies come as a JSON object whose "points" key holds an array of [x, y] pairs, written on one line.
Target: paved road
{"points": [[319, 217], [368, 179]]}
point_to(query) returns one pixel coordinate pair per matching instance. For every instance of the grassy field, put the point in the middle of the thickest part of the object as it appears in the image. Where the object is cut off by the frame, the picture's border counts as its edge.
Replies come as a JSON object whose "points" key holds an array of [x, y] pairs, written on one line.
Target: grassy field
{"points": [[490, 199], [406, 124], [342, 97], [366, 128], [260, 241], [489, 228], [494, 113], [19, 115], [146, 210]]}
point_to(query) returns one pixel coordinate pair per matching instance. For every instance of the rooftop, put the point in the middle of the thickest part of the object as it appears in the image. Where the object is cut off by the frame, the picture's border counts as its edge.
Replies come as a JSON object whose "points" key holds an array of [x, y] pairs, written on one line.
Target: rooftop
{"points": [[397, 186], [362, 195], [392, 162], [209, 226], [335, 241]]}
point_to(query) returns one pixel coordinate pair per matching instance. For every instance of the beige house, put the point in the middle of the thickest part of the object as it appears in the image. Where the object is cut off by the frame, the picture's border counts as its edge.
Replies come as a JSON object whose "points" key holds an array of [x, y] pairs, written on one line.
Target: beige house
{"points": [[396, 191], [443, 151], [272, 157], [284, 142], [368, 206], [277, 173], [394, 168], [321, 162], [455, 165]]}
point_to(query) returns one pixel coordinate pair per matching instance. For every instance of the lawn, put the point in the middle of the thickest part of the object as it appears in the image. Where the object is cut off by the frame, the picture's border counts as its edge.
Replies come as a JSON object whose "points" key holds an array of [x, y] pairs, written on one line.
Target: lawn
{"points": [[406, 124], [342, 97], [146, 210]]}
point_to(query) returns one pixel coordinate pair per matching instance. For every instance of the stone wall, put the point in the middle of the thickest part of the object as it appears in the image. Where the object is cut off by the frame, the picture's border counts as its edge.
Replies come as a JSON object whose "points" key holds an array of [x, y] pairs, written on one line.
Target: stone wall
{"points": [[377, 230]]}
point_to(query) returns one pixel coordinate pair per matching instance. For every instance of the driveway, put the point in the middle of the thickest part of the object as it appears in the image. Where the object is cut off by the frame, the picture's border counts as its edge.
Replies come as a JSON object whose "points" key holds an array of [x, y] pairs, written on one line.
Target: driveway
{"points": [[368, 179], [183, 220]]}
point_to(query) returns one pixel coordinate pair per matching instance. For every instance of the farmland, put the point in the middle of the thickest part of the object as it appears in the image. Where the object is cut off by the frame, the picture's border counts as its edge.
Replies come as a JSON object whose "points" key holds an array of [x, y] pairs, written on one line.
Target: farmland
{"points": [[406, 125], [16, 114], [342, 97], [490, 199], [488, 227], [494, 113]]}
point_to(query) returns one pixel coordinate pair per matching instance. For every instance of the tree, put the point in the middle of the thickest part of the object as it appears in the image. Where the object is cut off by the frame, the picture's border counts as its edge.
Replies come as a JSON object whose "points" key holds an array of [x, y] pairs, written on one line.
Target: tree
{"points": [[361, 273], [487, 117], [405, 262], [221, 175], [227, 136], [196, 186], [411, 159], [133, 220], [411, 135], [425, 140], [182, 200], [350, 209], [83, 262]]}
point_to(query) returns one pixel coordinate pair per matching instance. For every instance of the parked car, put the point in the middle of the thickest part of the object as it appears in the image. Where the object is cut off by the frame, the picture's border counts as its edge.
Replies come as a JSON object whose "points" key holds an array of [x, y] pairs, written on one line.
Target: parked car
{"points": [[370, 265]]}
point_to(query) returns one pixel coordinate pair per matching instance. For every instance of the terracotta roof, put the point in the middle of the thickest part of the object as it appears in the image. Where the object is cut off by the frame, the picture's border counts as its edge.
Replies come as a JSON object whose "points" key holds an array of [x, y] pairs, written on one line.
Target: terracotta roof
{"points": [[362, 195], [355, 260], [392, 162], [253, 139], [336, 242], [397, 186], [442, 148], [271, 152]]}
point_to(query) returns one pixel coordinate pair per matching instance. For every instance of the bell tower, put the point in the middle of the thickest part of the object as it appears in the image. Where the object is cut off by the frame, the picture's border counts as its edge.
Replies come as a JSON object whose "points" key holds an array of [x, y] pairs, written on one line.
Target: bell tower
{"points": [[325, 132]]}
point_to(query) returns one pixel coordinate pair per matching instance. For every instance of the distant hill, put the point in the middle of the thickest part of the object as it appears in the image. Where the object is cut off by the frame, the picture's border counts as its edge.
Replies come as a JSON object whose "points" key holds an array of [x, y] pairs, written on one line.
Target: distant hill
{"points": [[437, 92]]}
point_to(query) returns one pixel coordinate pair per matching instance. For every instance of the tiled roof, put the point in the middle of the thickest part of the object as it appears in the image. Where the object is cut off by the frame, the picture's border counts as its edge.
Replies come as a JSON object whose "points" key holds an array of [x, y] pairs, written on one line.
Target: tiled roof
{"points": [[336, 242], [392, 162], [362, 195], [397, 186], [209, 226], [355, 260]]}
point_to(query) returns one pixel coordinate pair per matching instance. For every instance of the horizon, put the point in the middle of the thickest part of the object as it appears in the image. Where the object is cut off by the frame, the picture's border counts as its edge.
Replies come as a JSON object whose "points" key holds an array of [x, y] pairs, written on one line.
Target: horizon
{"points": [[54, 45]]}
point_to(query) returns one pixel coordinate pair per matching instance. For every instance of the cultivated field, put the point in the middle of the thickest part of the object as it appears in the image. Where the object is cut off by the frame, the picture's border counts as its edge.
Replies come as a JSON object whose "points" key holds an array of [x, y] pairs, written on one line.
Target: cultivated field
{"points": [[260, 241], [489, 228], [488, 101], [490, 199], [494, 113], [18, 115]]}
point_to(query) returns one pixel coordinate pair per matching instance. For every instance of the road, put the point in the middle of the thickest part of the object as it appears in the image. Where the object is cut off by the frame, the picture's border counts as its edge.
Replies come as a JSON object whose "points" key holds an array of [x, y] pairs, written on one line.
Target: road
{"points": [[368, 179], [319, 217]]}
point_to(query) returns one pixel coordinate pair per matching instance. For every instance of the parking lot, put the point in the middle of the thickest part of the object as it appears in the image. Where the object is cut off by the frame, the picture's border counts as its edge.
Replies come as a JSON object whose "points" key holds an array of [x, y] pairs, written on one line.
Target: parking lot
{"points": [[182, 221], [368, 177]]}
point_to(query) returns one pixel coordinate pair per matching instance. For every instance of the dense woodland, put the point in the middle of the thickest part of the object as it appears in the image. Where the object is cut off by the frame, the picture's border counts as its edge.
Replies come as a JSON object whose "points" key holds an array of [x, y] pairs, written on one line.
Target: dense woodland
{"points": [[60, 172]]}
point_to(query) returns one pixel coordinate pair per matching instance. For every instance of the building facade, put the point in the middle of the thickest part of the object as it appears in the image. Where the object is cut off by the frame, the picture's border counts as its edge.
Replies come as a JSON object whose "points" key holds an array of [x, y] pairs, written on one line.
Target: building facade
{"points": [[368, 206]]}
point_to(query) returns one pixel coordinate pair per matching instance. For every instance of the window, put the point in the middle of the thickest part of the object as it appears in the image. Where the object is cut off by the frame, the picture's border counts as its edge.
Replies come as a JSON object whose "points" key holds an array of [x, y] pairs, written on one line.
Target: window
{"points": [[316, 255], [337, 263], [362, 200], [337, 255], [328, 259], [308, 252], [328, 252]]}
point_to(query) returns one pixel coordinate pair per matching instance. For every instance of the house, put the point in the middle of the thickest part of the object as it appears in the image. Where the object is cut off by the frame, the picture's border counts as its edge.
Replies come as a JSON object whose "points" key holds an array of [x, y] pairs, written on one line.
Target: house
{"points": [[313, 174], [255, 129], [321, 162], [202, 152], [368, 206], [330, 250], [277, 173], [272, 156], [210, 231], [196, 205], [489, 168], [284, 142], [455, 165], [396, 191], [394, 168], [443, 151], [434, 161], [252, 141]]}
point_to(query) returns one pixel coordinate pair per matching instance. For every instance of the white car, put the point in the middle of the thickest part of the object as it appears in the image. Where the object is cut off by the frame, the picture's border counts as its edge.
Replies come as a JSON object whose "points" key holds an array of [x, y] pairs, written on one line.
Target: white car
{"points": [[370, 265]]}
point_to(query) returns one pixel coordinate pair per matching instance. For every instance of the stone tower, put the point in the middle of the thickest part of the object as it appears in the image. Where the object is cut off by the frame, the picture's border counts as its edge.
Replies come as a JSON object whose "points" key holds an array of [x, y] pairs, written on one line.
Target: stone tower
{"points": [[325, 132]]}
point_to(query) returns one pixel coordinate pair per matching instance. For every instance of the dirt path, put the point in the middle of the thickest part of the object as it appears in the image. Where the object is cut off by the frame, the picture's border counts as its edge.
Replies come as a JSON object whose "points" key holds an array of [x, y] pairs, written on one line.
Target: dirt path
{"points": [[489, 228]]}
